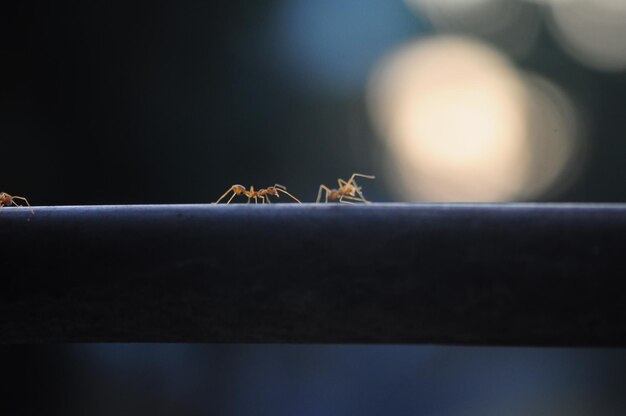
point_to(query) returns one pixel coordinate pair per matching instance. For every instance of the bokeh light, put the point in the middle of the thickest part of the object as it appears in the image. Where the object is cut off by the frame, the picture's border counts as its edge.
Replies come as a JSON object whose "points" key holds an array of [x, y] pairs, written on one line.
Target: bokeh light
{"points": [[593, 32], [461, 124], [512, 25], [331, 45], [554, 136], [474, 15]]}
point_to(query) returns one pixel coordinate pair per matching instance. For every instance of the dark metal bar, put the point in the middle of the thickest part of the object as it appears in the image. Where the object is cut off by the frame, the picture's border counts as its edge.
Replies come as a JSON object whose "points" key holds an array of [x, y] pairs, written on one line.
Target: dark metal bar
{"points": [[384, 273]]}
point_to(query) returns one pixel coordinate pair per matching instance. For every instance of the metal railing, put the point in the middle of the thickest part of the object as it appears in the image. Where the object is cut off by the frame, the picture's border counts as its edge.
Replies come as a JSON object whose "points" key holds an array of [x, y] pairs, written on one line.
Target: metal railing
{"points": [[512, 274]]}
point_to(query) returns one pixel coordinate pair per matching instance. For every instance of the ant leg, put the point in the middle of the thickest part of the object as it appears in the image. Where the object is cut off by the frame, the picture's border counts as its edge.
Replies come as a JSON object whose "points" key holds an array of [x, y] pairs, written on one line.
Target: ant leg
{"points": [[341, 200], [352, 179], [354, 175], [352, 198], [356, 187], [25, 200], [319, 193], [22, 199], [231, 189], [358, 191], [327, 190], [283, 189], [349, 198], [231, 198], [351, 182], [285, 192]]}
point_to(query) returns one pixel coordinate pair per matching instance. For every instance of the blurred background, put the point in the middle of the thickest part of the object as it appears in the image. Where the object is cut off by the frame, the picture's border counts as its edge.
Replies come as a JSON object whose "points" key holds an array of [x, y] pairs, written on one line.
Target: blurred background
{"points": [[190, 380], [107, 102]]}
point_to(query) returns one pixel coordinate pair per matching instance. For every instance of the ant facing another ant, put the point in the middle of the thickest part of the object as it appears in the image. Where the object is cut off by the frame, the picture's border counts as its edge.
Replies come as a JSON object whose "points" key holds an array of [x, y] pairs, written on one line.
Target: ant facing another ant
{"points": [[263, 193], [347, 190]]}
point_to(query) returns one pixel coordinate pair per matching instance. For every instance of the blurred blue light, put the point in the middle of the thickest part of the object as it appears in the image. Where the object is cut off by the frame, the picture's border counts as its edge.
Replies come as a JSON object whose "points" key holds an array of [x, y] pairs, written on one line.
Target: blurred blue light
{"points": [[333, 44], [341, 379]]}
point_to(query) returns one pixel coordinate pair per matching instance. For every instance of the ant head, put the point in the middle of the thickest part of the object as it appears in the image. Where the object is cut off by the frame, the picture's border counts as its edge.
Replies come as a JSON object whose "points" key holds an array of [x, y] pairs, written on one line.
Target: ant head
{"points": [[350, 190], [272, 191], [238, 189]]}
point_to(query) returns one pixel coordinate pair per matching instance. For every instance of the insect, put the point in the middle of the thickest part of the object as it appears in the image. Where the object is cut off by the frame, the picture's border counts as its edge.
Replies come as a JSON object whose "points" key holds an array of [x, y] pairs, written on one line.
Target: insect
{"points": [[263, 193], [348, 190], [7, 200], [274, 191]]}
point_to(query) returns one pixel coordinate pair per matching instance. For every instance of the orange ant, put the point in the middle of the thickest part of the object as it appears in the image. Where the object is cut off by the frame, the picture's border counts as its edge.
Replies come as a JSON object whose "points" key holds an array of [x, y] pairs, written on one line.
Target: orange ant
{"points": [[274, 191], [7, 200], [263, 193], [347, 190]]}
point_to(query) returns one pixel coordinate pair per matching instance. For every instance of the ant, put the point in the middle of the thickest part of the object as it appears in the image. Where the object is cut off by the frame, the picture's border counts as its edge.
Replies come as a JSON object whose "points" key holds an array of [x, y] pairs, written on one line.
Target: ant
{"points": [[7, 200], [273, 191], [263, 193], [347, 190]]}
